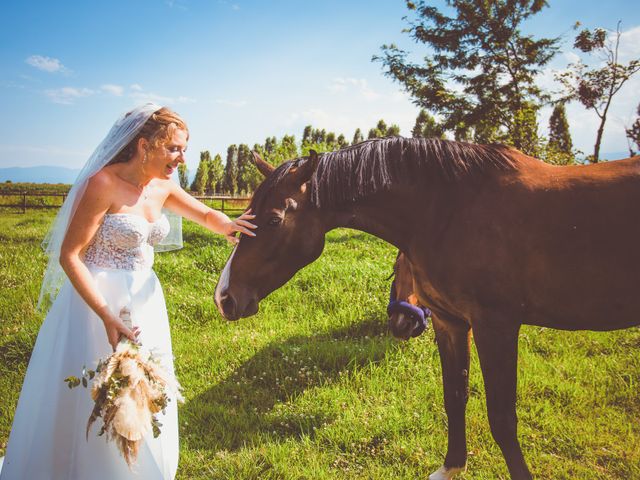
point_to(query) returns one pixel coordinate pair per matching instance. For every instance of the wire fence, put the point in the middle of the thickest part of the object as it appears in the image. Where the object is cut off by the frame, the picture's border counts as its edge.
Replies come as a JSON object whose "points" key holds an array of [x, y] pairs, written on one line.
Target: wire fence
{"points": [[44, 200]]}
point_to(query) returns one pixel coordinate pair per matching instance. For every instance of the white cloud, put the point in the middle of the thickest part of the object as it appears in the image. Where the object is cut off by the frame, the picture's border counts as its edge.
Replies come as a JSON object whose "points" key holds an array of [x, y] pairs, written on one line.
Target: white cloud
{"points": [[135, 87], [234, 6], [629, 45], [116, 90], [67, 95], [142, 96], [231, 103], [46, 64], [181, 4], [360, 85]]}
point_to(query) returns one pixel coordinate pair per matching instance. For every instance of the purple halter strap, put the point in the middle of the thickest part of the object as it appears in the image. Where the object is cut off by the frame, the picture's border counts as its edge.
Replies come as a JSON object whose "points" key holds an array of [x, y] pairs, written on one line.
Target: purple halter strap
{"points": [[419, 314]]}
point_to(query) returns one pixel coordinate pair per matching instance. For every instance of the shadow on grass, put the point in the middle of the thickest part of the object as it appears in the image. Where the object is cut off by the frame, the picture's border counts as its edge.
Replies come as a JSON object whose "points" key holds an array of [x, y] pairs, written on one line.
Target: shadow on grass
{"points": [[253, 400], [16, 352]]}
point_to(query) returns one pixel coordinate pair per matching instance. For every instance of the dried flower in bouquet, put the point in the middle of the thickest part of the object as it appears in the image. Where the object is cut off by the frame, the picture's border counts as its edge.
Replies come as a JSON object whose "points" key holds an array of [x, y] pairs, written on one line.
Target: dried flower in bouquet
{"points": [[130, 387]]}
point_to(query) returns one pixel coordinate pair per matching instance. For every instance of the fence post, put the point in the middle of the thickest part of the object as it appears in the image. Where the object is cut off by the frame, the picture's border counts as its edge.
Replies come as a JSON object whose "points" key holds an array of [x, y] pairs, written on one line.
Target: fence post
{"points": [[24, 202], [222, 205]]}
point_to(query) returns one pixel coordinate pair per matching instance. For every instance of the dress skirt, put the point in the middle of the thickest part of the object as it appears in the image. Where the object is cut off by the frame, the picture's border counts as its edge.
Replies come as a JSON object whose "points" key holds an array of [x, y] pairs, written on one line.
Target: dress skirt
{"points": [[47, 440]]}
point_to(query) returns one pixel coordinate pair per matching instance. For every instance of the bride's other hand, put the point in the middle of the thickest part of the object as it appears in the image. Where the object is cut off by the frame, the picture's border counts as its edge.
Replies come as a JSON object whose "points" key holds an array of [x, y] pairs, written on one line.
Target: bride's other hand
{"points": [[115, 328]]}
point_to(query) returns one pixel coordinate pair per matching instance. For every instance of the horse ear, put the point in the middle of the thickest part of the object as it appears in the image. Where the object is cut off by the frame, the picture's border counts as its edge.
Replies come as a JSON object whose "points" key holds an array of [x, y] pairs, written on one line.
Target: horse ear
{"points": [[303, 173], [264, 168]]}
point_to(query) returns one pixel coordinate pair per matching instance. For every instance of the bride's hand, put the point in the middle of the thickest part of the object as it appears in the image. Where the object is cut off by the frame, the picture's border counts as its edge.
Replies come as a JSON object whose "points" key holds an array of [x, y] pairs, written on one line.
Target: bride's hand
{"points": [[240, 224], [115, 328]]}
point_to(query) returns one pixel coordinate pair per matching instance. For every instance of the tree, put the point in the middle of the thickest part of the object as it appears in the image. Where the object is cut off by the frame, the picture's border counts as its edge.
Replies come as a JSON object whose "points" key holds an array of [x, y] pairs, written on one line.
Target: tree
{"points": [[559, 136], [183, 176], [426, 126], [480, 70], [200, 180], [306, 134], [595, 87], [231, 170], [523, 133], [633, 134], [381, 130], [246, 169], [215, 179], [357, 137], [393, 130]]}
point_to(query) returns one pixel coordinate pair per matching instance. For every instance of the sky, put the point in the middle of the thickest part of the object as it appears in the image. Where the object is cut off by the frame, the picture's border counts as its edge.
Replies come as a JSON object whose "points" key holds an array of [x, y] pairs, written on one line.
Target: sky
{"points": [[239, 71]]}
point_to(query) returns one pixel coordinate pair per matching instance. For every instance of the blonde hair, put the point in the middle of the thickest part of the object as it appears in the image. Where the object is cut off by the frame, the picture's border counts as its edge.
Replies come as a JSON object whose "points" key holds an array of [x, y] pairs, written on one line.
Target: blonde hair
{"points": [[158, 130]]}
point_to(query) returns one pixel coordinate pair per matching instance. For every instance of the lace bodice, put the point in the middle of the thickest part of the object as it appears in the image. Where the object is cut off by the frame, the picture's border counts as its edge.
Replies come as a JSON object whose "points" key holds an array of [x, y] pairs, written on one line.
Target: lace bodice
{"points": [[125, 241]]}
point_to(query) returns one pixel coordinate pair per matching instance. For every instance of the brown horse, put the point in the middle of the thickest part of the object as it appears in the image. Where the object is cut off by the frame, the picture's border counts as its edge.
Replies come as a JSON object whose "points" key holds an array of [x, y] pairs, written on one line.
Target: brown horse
{"points": [[407, 317], [496, 239]]}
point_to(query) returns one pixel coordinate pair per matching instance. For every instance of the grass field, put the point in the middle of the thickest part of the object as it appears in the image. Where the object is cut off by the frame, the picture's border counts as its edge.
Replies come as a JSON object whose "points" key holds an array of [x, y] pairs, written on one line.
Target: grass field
{"points": [[314, 387]]}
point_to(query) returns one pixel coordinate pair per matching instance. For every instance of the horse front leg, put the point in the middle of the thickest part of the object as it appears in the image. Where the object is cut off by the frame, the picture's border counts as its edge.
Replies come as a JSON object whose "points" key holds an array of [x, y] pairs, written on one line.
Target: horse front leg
{"points": [[498, 354], [453, 337]]}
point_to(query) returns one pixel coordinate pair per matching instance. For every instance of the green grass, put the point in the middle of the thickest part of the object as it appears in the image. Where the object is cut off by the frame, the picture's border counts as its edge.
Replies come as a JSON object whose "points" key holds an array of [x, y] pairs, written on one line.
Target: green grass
{"points": [[314, 387]]}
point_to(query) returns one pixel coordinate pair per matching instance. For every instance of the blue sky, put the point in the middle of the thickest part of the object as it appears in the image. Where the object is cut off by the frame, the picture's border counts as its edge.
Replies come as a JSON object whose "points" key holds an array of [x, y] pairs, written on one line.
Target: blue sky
{"points": [[236, 70]]}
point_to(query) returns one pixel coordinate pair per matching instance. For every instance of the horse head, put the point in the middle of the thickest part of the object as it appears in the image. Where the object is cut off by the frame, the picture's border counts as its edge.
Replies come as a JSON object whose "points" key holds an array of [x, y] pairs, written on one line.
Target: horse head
{"points": [[406, 317], [290, 235]]}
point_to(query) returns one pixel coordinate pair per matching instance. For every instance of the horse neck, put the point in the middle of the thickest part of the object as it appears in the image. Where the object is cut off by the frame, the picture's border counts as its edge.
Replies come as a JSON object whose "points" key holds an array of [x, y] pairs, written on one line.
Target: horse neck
{"points": [[391, 215]]}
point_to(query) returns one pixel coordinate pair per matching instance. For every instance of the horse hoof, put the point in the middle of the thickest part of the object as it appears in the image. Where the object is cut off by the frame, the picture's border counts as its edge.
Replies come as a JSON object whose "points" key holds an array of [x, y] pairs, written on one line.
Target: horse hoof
{"points": [[445, 473]]}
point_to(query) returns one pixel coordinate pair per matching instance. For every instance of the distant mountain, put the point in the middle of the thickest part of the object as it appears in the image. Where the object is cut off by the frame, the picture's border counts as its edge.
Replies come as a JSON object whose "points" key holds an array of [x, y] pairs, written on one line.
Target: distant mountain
{"points": [[43, 174]]}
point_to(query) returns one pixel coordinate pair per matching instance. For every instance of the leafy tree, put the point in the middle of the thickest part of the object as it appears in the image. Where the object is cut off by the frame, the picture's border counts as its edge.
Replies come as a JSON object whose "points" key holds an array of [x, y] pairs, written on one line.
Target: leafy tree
{"points": [[248, 176], [595, 87], [559, 136], [342, 141], [357, 137], [215, 180], [426, 126], [393, 131], [523, 133], [480, 70], [231, 170], [307, 134], [633, 134], [183, 176], [200, 180]]}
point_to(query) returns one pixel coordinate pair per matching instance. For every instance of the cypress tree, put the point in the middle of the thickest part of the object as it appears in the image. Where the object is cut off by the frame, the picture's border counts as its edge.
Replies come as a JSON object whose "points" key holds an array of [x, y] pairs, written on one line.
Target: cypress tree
{"points": [[200, 180], [357, 137], [559, 136], [216, 175], [426, 126], [231, 170], [183, 176]]}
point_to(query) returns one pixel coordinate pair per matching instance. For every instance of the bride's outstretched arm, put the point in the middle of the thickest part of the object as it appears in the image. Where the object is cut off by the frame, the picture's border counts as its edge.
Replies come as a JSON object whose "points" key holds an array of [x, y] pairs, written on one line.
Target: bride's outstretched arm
{"points": [[91, 209], [182, 203]]}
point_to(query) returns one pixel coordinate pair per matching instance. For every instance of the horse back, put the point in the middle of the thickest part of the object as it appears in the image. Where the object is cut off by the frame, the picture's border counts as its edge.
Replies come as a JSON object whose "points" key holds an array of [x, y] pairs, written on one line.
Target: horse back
{"points": [[543, 245]]}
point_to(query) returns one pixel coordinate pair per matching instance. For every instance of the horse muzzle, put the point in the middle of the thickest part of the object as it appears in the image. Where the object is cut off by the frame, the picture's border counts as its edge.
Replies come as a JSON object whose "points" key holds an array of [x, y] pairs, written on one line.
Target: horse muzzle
{"points": [[406, 320], [402, 326], [234, 307]]}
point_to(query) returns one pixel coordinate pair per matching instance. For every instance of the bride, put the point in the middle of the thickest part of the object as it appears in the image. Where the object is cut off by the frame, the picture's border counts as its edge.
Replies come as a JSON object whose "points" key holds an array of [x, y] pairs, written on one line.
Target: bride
{"points": [[103, 239]]}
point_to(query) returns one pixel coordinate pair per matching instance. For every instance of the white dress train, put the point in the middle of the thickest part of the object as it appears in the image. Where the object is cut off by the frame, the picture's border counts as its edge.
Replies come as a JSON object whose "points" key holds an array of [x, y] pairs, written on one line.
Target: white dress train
{"points": [[47, 440]]}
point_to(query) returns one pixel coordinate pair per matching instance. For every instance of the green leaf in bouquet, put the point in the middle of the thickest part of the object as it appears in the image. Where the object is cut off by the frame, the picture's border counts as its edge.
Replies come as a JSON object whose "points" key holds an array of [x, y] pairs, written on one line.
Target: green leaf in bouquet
{"points": [[84, 382], [72, 381], [92, 374]]}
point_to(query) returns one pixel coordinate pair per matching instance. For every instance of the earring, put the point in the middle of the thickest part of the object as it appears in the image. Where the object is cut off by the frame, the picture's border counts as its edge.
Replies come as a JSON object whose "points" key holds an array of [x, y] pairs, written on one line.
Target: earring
{"points": [[144, 160]]}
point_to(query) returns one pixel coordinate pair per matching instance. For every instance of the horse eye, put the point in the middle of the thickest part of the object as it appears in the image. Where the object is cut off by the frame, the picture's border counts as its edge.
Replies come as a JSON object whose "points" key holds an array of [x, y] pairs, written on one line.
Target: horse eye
{"points": [[275, 221]]}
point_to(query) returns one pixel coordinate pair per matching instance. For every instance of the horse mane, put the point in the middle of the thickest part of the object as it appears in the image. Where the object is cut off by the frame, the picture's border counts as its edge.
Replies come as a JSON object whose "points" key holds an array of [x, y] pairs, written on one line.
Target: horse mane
{"points": [[374, 165]]}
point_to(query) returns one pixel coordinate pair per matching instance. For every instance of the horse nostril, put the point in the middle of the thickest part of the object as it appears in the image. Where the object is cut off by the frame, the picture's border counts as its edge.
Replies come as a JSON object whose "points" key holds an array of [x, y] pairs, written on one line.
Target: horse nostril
{"points": [[228, 305]]}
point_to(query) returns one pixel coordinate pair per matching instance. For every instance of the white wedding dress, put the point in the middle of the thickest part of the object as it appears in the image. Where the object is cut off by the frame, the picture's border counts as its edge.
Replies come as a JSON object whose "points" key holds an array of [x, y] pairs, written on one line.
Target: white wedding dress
{"points": [[47, 440]]}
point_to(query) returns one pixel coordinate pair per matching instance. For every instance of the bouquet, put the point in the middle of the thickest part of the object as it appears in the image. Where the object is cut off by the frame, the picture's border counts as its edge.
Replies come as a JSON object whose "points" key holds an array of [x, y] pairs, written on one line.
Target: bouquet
{"points": [[130, 387]]}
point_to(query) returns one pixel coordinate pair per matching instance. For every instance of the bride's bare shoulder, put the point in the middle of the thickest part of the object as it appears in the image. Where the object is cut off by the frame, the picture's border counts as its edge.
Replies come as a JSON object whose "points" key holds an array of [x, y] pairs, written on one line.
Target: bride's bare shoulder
{"points": [[104, 180]]}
